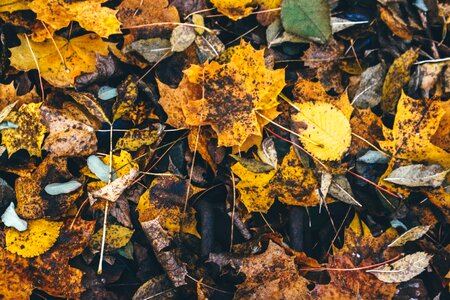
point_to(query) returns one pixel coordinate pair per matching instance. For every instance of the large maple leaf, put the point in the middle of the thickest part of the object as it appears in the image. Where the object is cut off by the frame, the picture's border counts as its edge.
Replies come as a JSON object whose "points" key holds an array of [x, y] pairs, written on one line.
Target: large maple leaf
{"points": [[229, 97]]}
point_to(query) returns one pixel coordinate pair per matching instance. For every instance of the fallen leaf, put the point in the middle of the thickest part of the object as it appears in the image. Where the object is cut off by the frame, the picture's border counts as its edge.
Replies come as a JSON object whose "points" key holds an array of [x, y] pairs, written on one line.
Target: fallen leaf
{"points": [[30, 132], [89, 14], [116, 237], [272, 275], [79, 56], [429, 76], [366, 128], [403, 269], [122, 163], [165, 199], [113, 190], [182, 37], [33, 202], [324, 130], [234, 94], [418, 175], [234, 9], [291, 183], [160, 241], [71, 131], [396, 77], [370, 87], [395, 23], [11, 219], [62, 188], [209, 46], [341, 190], [37, 239], [415, 123], [149, 11], [13, 5], [8, 95], [152, 50], [412, 234], [441, 137], [135, 138], [441, 198], [266, 18], [325, 60], [307, 19]]}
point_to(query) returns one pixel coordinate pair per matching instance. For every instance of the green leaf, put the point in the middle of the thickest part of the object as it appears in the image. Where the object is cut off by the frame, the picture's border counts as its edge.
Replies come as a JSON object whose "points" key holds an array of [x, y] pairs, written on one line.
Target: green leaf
{"points": [[307, 19]]}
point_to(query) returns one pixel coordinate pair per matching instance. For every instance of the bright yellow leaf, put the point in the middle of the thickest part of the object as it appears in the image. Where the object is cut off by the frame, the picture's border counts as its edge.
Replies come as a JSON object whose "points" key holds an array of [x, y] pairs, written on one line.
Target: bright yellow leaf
{"points": [[30, 132], [79, 56], [37, 239], [122, 163], [324, 129], [13, 5], [116, 237], [234, 9], [88, 13]]}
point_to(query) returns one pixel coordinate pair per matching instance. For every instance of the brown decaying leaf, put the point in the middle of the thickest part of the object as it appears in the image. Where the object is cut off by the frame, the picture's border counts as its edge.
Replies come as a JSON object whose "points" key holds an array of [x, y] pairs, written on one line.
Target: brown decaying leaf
{"points": [[418, 175], [325, 60], [33, 202], [272, 275], [160, 241], [395, 23], [140, 12], [49, 272], [71, 132], [8, 95], [366, 125]]}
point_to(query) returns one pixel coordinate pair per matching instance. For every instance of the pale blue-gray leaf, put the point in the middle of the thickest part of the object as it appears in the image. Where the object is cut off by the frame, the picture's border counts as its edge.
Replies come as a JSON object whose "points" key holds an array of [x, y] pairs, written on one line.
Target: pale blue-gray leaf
{"points": [[7, 124], [99, 168], [62, 187], [11, 219], [374, 157], [107, 92]]}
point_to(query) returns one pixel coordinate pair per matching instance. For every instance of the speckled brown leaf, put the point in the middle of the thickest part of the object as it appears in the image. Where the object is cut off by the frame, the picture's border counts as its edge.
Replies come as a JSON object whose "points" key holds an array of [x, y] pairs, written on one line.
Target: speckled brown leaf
{"points": [[365, 125], [8, 95], [395, 23], [324, 59], [272, 275], [33, 202]]}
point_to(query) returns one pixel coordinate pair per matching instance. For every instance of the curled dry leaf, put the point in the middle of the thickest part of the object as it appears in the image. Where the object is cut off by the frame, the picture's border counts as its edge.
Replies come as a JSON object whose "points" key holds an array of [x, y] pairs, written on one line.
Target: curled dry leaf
{"points": [[37, 239], [418, 175], [413, 234], [160, 241], [30, 132], [113, 190], [272, 275], [403, 269], [291, 183], [395, 23], [79, 55]]}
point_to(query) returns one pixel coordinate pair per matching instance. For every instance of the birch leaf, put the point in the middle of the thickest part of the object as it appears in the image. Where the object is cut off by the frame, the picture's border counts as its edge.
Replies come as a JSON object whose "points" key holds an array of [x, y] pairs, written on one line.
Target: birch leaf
{"points": [[403, 269]]}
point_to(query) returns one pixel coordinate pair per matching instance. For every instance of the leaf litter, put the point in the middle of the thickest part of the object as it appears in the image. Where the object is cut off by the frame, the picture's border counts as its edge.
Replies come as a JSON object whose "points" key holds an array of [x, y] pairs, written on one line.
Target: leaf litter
{"points": [[238, 149]]}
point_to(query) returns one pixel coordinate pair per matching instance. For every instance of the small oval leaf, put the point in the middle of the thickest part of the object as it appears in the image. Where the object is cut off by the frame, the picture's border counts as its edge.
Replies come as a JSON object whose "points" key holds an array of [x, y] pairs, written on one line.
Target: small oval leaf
{"points": [[62, 188]]}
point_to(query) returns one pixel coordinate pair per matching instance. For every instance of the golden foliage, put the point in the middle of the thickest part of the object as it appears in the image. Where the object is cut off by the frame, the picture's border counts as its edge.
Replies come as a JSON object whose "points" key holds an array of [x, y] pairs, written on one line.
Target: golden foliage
{"points": [[79, 56], [415, 123], [396, 77], [116, 237], [89, 14], [165, 200], [136, 138], [234, 9], [292, 184], [37, 239], [366, 125], [231, 95], [30, 132], [122, 163], [8, 95], [50, 271], [324, 129]]}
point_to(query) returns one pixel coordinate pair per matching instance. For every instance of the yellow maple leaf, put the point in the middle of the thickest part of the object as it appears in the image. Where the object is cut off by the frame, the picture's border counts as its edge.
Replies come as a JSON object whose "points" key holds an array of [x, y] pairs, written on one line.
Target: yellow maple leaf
{"points": [[324, 129], [30, 132], [89, 14], [232, 95], [165, 200], [415, 123], [13, 5], [38, 238], [79, 56], [291, 183], [116, 237], [8, 95]]}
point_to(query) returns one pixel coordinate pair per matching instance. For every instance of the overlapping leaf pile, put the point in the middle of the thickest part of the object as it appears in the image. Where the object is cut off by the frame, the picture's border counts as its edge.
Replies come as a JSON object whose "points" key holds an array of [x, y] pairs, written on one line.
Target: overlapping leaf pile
{"points": [[220, 149]]}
